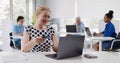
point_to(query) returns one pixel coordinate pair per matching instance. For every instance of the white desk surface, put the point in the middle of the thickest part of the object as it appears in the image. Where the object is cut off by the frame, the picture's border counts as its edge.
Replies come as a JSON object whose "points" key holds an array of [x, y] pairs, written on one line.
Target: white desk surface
{"points": [[18, 37], [70, 33], [103, 57], [101, 38]]}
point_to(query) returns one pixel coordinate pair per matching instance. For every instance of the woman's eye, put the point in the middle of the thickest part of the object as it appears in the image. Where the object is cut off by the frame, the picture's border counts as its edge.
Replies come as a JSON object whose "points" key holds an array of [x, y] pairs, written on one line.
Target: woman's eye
{"points": [[47, 16]]}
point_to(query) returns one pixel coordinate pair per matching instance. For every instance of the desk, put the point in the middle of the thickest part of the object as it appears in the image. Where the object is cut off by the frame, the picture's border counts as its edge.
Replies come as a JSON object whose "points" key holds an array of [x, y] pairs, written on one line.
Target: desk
{"points": [[103, 57], [20, 37], [71, 33], [100, 41]]}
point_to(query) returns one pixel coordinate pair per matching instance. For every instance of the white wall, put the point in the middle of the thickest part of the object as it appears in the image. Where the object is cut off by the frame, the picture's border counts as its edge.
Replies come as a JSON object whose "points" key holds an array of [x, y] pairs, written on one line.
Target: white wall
{"points": [[89, 9], [93, 9], [7, 28], [61, 8]]}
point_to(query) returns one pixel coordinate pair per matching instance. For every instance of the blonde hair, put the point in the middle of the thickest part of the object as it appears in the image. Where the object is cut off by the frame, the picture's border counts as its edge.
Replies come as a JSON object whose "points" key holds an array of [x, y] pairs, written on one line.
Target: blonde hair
{"points": [[41, 8]]}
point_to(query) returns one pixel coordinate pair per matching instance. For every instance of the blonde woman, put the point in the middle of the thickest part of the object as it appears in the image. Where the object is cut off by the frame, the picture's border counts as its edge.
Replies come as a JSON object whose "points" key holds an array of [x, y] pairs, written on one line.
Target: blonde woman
{"points": [[39, 37]]}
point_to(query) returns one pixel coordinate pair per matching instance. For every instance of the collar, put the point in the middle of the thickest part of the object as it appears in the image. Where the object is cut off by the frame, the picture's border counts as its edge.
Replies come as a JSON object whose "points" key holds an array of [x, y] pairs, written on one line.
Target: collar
{"points": [[18, 25], [108, 23]]}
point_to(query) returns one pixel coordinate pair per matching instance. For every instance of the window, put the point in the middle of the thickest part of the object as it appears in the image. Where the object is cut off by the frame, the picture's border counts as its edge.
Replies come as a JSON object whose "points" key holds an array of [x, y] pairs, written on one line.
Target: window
{"points": [[4, 14], [23, 8], [63, 23], [19, 8], [11, 9], [30, 11]]}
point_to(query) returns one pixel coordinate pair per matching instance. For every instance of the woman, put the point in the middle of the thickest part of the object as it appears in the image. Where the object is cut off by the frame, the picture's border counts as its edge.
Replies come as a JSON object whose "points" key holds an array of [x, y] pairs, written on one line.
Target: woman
{"points": [[18, 31], [108, 32], [39, 37]]}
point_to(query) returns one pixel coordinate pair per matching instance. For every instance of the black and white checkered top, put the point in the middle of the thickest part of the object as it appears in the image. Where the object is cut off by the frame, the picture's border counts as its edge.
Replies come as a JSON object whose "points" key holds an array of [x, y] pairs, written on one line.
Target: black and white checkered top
{"points": [[47, 34]]}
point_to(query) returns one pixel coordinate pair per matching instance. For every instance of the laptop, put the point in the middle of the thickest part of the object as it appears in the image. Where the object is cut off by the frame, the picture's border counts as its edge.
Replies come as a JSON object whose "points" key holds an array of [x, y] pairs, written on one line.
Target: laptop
{"points": [[90, 35], [71, 28], [69, 46], [88, 31]]}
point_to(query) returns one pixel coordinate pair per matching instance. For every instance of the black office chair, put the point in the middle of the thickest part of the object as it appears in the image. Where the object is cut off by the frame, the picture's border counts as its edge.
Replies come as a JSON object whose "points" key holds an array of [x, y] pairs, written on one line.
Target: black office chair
{"points": [[12, 43], [112, 48]]}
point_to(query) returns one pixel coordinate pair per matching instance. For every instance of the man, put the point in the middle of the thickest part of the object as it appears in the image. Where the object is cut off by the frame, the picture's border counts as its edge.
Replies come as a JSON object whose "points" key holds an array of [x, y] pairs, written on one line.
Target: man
{"points": [[79, 25], [18, 31]]}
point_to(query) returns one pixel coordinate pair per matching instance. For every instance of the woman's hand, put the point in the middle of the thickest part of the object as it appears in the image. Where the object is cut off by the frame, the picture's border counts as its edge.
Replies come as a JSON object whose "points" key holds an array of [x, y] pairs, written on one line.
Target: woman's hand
{"points": [[38, 39], [95, 34]]}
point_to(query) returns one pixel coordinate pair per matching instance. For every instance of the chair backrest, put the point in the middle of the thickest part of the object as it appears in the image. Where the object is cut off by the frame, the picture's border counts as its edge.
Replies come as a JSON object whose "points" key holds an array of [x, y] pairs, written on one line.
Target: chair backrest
{"points": [[118, 36], [11, 40], [12, 43]]}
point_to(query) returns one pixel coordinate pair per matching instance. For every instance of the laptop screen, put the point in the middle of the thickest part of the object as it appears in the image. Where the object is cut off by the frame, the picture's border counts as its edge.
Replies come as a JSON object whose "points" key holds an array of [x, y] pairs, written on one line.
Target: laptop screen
{"points": [[88, 31], [71, 28], [69, 46]]}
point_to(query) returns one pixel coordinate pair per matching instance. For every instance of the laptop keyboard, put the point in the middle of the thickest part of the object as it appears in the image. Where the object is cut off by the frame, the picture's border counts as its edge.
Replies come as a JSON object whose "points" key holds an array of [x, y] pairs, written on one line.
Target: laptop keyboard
{"points": [[51, 55]]}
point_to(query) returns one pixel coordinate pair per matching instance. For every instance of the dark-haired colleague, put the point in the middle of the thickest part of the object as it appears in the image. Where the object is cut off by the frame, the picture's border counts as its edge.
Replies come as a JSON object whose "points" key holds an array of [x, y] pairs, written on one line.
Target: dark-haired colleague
{"points": [[109, 31], [18, 30]]}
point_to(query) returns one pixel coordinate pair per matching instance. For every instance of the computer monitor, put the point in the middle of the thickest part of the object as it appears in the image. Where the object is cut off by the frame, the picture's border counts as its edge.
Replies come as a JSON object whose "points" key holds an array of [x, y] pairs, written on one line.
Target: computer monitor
{"points": [[71, 28]]}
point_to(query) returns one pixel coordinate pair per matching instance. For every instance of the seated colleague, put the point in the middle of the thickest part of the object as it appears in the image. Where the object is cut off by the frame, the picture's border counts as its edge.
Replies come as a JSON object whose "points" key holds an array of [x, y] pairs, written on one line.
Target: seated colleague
{"points": [[39, 37], [79, 24], [108, 32], [18, 30]]}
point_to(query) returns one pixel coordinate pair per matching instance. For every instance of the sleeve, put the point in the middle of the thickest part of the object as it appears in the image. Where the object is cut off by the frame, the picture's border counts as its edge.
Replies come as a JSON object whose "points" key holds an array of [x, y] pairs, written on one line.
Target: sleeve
{"points": [[26, 29], [14, 30], [52, 30], [83, 26]]}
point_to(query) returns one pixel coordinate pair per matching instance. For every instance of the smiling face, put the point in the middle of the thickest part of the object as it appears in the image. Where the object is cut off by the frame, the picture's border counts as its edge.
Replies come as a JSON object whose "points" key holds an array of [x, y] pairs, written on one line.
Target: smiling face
{"points": [[43, 17]]}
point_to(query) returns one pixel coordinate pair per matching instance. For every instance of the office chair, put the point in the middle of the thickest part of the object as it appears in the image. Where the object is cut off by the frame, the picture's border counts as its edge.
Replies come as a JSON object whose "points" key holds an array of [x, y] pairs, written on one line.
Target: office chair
{"points": [[12, 43], [112, 48]]}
